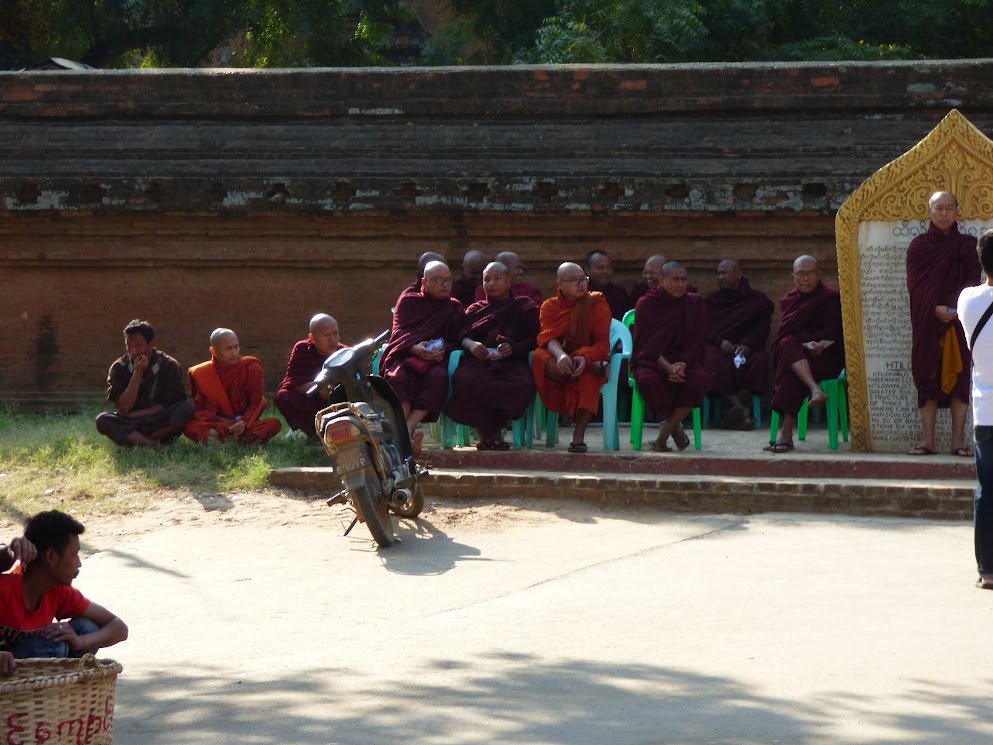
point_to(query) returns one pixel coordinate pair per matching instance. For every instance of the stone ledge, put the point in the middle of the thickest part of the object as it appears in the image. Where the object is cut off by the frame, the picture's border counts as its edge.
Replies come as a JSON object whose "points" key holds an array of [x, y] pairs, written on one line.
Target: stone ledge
{"points": [[944, 500]]}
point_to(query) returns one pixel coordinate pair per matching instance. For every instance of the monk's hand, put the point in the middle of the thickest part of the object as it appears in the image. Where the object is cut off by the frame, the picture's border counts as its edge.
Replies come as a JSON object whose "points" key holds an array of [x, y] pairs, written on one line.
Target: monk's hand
{"points": [[727, 347], [479, 350], [945, 314], [7, 664], [578, 366], [677, 372], [814, 347], [237, 428], [564, 364], [420, 352], [742, 350], [504, 349]]}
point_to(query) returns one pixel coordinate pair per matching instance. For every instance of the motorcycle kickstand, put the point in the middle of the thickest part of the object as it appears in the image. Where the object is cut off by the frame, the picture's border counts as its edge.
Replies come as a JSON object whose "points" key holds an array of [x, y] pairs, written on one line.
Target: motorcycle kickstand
{"points": [[349, 528]]}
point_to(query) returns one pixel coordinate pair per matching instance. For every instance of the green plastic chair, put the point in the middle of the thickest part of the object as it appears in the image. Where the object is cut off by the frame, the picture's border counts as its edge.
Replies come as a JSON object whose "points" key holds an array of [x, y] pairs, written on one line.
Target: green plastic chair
{"points": [[608, 393], [638, 407], [836, 408]]}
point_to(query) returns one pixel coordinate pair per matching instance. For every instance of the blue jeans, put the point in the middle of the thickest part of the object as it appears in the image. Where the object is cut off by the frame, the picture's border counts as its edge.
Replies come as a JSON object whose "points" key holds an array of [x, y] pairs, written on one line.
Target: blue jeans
{"points": [[982, 509], [38, 646]]}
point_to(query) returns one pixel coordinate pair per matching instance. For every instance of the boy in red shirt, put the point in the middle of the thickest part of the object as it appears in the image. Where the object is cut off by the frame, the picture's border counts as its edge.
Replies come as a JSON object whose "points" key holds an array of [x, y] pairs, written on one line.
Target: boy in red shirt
{"points": [[40, 590]]}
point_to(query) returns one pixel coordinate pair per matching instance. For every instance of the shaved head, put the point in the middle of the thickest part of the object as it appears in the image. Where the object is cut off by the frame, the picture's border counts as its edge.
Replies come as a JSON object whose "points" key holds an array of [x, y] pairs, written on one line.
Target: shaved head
{"points": [[655, 262], [804, 263], [938, 196], [568, 269], [217, 334], [437, 280], [495, 266], [729, 274], [670, 266], [320, 320], [427, 258], [473, 263]]}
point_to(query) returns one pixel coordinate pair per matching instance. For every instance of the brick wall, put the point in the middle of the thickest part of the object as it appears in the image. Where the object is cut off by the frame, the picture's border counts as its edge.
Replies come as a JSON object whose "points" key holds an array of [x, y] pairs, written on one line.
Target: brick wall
{"points": [[254, 198]]}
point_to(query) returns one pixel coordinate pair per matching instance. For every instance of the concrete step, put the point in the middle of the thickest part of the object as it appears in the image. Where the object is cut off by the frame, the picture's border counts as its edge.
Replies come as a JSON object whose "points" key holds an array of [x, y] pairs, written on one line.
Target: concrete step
{"points": [[945, 499]]}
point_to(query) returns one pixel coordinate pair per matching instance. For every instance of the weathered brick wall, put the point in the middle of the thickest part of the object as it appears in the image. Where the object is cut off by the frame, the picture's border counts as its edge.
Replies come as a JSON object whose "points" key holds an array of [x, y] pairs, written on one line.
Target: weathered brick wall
{"points": [[255, 198]]}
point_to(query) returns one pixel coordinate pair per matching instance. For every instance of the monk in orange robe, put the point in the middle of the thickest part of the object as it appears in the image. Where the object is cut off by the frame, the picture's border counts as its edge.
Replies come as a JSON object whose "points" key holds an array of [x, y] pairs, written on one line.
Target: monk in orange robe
{"points": [[227, 393], [570, 362]]}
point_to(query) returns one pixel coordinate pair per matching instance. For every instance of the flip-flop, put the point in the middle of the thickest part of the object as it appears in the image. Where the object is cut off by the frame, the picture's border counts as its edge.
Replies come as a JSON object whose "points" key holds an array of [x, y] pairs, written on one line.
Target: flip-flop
{"points": [[661, 448], [985, 583], [921, 450], [963, 452], [577, 447], [748, 424], [733, 419], [484, 445], [779, 447], [500, 445]]}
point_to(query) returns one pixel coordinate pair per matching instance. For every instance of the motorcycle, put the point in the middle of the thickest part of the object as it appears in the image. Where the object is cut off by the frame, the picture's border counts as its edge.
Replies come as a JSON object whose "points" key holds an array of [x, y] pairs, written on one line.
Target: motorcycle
{"points": [[364, 432]]}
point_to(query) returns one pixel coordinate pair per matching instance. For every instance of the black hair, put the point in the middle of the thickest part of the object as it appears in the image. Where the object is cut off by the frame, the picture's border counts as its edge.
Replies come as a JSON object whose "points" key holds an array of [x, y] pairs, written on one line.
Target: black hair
{"points": [[137, 326], [986, 252], [52, 529]]}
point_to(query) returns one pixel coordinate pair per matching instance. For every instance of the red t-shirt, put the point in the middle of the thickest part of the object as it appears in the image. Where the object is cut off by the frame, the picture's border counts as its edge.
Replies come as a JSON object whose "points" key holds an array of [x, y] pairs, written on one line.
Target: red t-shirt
{"points": [[17, 623]]}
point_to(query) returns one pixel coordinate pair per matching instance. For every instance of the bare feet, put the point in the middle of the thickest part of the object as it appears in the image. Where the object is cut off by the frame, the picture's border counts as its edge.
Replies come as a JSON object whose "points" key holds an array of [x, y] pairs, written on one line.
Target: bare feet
{"points": [[416, 442], [818, 398]]}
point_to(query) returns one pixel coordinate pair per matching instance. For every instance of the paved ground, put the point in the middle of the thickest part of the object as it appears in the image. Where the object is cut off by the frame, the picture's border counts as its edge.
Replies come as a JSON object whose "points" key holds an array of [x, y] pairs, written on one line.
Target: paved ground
{"points": [[558, 623]]}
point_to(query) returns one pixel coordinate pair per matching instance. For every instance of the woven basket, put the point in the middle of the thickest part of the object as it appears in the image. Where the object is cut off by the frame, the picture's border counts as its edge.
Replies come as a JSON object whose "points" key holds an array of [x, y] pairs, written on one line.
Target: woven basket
{"points": [[59, 701]]}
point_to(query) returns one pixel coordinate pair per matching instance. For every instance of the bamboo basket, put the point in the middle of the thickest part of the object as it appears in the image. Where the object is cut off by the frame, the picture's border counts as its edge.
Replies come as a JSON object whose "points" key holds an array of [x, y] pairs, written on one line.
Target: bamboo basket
{"points": [[59, 701]]}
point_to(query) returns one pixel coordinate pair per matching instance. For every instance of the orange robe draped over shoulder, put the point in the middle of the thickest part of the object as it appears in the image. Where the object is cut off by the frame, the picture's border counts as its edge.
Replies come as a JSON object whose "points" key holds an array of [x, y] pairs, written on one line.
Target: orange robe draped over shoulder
{"points": [[562, 321], [230, 391]]}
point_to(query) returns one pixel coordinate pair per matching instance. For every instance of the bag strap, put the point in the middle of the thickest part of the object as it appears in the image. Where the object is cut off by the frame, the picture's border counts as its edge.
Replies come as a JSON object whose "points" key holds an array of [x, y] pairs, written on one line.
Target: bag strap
{"points": [[979, 326]]}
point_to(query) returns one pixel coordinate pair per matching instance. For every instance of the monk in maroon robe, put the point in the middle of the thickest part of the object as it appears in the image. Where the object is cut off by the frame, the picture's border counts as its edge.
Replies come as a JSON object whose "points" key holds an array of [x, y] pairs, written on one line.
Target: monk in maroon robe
{"points": [[306, 361], [464, 288], [650, 277], [940, 264], [428, 325], [570, 363], [228, 395], [808, 347], [517, 284], [493, 384], [734, 354], [601, 273], [667, 358]]}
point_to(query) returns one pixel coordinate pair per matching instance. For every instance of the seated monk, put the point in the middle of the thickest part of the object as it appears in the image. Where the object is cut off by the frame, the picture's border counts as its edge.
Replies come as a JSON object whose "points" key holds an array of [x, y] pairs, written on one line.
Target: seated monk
{"points": [[422, 261], [493, 384], [650, 276], [808, 347], [306, 361], [570, 362], [667, 357], [734, 355], [517, 284], [428, 325], [464, 288], [227, 392], [601, 272]]}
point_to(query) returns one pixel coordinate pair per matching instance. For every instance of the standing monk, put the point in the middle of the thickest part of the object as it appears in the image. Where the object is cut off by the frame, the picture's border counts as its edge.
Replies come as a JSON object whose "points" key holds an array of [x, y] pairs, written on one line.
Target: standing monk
{"points": [[808, 347], [516, 268], [306, 360], [734, 354], [227, 392], [493, 384], [464, 288], [650, 277], [146, 386], [666, 360], [601, 273], [573, 348], [428, 325], [940, 264]]}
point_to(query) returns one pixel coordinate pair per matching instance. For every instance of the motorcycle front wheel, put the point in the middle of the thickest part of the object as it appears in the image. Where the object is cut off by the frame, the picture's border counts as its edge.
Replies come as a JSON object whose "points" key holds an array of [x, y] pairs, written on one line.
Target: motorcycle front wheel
{"points": [[371, 502], [413, 506]]}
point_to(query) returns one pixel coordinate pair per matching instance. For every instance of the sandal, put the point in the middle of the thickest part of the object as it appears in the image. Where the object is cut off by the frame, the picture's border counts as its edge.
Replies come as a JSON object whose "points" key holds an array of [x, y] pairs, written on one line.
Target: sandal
{"points": [[577, 447], [921, 450], [963, 452], [484, 445], [499, 445], [779, 447]]}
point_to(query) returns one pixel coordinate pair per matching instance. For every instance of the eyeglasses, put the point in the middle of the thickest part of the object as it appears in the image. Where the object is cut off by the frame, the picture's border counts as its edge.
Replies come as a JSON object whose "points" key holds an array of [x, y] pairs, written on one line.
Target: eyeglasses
{"points": [[576, 282], [440, 280], [805, 275]]}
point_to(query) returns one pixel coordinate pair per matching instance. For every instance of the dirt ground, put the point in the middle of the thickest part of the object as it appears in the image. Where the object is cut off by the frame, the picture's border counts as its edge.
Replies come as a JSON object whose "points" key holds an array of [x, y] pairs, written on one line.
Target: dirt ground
{"points": [[272, 508]]}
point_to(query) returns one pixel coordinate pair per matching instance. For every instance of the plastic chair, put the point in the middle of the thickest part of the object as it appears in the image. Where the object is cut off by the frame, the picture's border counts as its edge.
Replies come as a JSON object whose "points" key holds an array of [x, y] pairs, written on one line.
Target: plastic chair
{"points": [[718, 406], [836, 408], [638, 407], [454, 434], [608, 393]]}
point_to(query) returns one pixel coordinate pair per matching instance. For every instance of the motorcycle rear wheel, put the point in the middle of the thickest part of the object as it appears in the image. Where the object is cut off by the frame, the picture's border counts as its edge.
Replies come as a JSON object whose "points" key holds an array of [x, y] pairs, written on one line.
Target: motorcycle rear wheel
{"points": [[372, 505], [413, 506]]}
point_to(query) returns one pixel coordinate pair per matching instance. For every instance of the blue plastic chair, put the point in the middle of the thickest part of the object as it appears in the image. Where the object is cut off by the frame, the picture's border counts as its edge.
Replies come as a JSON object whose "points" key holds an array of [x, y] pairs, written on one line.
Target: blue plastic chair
{"points": [[460, 435], [608, 393], [638, 406]]}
